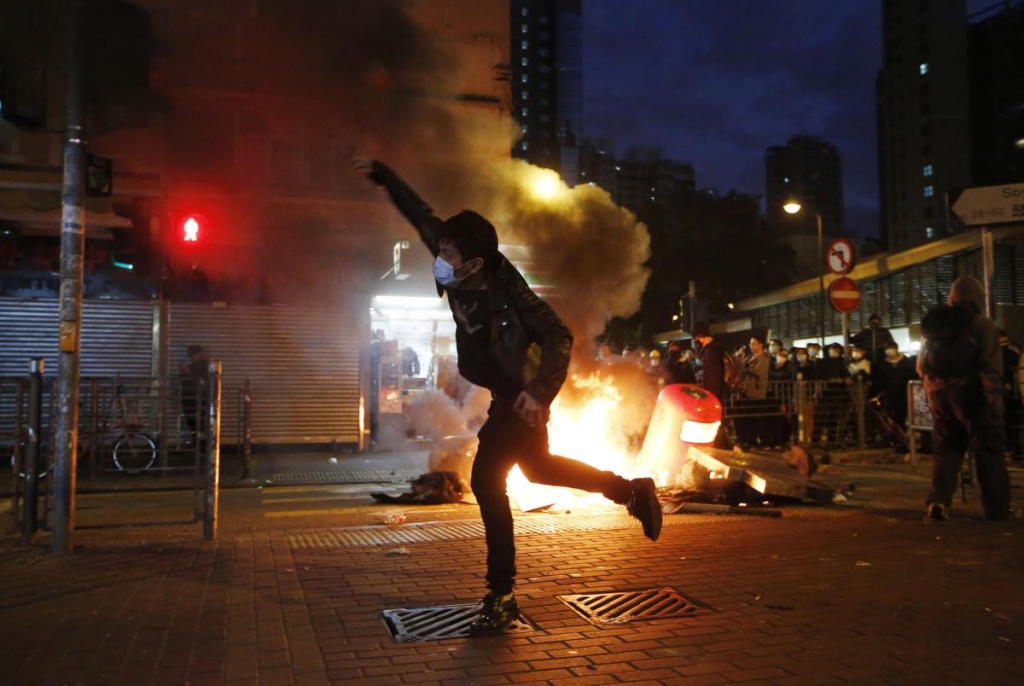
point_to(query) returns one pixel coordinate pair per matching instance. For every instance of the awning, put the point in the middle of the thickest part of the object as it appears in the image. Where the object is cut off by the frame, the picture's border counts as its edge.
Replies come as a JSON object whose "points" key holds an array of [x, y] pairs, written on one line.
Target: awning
{"points": [[47, 222]]}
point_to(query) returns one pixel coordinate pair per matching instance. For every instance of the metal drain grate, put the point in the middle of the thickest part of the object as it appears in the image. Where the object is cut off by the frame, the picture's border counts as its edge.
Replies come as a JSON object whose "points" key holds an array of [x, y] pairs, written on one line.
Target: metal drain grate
{"points": [[619, 608], [436, 623]]}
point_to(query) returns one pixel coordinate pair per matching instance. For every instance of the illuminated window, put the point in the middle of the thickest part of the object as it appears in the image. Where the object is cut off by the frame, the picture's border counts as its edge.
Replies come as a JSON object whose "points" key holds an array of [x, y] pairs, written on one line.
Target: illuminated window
{"points": [[526, 95], [526, 28], [525, 44], [526, 128], [525, 145], [526, 11], [929, 191], [525, 78], [526, 111], [526, 61], [928, 171], [929, 232], [924, 68]]}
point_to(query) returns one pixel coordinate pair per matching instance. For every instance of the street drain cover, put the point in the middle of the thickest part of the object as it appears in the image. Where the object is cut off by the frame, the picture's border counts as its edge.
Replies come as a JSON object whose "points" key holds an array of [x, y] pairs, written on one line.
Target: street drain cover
{"points": [[619, 608], [436, 623]]}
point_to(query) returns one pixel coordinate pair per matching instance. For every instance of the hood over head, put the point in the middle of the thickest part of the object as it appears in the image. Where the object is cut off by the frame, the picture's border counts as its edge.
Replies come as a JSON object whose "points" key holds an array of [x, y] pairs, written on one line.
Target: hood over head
{"points": [[967, 289]]}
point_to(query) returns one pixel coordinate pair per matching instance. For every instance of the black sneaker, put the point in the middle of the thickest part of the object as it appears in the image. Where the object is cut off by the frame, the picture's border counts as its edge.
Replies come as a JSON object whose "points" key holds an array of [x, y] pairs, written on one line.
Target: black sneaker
{"points": [[936, 513], [496, 615], [644, 505]]}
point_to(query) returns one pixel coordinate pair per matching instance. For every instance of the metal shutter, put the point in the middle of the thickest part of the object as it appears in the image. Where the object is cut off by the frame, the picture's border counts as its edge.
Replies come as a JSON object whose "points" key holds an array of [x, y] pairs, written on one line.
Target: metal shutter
{"points": [[117, 336], [304, 365]]}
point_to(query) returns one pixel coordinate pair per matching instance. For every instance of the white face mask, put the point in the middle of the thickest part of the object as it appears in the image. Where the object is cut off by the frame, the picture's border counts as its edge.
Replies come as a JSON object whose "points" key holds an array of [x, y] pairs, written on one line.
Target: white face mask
{"points": [[833, 353], [802, 358], [444, 273]]}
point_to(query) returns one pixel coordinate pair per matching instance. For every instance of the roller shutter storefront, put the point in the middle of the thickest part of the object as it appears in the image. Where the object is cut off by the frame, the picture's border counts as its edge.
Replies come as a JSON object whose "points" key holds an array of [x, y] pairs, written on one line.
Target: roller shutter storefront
{"points": [[304, 363]]}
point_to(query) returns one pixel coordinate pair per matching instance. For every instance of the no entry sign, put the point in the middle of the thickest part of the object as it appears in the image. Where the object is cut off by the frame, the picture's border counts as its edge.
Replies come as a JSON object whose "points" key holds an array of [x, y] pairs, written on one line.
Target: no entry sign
{"points": [[844, 294]]}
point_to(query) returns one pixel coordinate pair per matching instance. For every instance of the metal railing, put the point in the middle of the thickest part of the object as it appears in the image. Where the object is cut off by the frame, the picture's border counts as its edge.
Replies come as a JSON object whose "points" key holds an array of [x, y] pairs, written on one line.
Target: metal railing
{"points": [[126, 426], [830, 414]]}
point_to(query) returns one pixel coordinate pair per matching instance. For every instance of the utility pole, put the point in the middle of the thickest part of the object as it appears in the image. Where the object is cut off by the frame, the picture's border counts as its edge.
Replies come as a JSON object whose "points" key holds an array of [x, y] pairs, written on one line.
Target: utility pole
{"points": [[72, 249]]}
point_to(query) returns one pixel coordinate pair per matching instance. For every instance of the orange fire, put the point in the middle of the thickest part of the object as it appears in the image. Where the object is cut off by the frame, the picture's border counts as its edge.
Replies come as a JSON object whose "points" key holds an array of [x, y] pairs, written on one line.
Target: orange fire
{"points": [[590, 423]]}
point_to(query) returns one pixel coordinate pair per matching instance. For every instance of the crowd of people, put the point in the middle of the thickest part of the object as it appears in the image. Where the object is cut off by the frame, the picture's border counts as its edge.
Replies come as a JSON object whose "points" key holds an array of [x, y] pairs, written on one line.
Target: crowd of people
{"points": [[758, 406]]}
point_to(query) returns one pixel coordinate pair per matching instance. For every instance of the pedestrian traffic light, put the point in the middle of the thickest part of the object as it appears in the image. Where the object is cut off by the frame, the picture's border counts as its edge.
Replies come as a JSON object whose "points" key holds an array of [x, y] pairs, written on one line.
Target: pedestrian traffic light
{"points": [[192, 229]]}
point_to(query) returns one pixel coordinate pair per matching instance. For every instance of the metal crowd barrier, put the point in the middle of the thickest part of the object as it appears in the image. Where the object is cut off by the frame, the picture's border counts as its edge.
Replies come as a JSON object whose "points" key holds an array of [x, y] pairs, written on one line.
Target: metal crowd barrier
{"points": [[822, 413], [125, 426], [111, 408]]}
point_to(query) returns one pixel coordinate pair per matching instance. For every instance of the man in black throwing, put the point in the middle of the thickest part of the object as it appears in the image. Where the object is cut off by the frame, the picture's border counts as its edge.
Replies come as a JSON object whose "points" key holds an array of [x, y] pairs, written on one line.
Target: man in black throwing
{"points": [[512, 343]]}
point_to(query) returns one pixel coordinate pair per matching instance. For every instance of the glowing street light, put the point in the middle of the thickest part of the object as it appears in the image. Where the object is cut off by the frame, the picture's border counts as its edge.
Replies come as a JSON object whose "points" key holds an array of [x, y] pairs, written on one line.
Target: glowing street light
{"points": [[793, 206]]}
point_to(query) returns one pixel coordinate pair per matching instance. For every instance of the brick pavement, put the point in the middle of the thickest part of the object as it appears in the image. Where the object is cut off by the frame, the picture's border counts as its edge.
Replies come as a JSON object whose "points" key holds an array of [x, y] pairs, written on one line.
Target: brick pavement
{"points": [[823, 597]]}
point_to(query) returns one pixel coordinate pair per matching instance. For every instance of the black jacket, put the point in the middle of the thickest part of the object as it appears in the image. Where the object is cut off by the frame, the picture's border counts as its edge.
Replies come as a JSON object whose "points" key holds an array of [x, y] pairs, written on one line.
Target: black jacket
{"points": [[528, 339], [712, 358]]}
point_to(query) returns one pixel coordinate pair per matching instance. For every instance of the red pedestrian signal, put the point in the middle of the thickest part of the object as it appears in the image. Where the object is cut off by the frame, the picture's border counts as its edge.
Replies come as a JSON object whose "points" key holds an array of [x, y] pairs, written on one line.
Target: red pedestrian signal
{"points": [[193, 229]]}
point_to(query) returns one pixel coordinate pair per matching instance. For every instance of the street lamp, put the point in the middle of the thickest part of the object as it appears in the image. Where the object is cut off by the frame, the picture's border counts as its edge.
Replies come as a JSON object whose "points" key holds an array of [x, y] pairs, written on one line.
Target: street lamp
{"points": [[792, 207]]}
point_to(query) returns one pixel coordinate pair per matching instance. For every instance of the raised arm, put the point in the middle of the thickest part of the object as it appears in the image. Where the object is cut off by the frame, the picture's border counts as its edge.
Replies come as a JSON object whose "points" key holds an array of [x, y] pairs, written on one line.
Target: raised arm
{"points": [[405, 199]]}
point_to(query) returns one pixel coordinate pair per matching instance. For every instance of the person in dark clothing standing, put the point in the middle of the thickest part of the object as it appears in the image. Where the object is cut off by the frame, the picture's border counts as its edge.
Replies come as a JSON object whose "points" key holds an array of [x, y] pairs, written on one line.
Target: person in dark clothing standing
{"points": [[967, 413], [873, 339], [712, 361], [512, 343], [677, 368], [1011, 395], [900, 370], [833, 367], [194, 379]]}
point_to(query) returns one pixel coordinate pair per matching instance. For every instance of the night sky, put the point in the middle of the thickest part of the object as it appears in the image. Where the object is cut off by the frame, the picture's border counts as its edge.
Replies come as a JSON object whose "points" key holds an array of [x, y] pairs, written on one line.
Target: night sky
{"points": [[716, 83]]}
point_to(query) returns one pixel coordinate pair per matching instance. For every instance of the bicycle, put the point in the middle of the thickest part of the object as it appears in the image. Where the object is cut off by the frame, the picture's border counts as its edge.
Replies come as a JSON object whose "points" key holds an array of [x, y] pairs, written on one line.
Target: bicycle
{"points": [[133, 451]]}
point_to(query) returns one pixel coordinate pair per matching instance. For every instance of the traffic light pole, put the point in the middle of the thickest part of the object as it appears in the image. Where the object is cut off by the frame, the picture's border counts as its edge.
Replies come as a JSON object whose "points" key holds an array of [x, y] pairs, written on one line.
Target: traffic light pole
{"points": [[72, 249]]}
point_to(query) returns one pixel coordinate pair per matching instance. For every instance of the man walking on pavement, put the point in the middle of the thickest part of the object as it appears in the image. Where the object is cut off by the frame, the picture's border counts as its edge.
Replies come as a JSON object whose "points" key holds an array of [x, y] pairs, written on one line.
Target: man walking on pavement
{"points": [[962, 369], [512, 343]]}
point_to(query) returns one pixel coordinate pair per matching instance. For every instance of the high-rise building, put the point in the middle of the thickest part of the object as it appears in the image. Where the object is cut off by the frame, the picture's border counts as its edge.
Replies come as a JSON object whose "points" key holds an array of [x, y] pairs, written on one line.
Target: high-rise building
{"points": [[808, 170], [996, 40], [642, 175], [924, 126], [547, 83]]}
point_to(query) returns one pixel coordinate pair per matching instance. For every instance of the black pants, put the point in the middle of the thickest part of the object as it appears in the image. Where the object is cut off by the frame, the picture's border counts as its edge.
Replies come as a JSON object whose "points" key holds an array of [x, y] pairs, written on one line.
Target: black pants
{"points": [[506, 440], [966, 417]]}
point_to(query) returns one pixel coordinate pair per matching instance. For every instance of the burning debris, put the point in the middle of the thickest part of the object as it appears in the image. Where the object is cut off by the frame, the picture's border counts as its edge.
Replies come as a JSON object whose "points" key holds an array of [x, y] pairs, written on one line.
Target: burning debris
{"points": [[434, 488]]}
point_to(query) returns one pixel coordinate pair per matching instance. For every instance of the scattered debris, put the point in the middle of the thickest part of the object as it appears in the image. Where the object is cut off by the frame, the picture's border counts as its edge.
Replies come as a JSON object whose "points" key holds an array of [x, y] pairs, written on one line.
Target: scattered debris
{"points": [[395, 518], [433, 488], [333, 460], [802, 461], [398, 552], [713, 508]]}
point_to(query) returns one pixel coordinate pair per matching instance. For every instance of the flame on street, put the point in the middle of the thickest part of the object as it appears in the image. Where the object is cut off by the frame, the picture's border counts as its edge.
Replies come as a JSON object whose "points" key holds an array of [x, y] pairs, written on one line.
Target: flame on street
{"points": [[591, 423]]}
